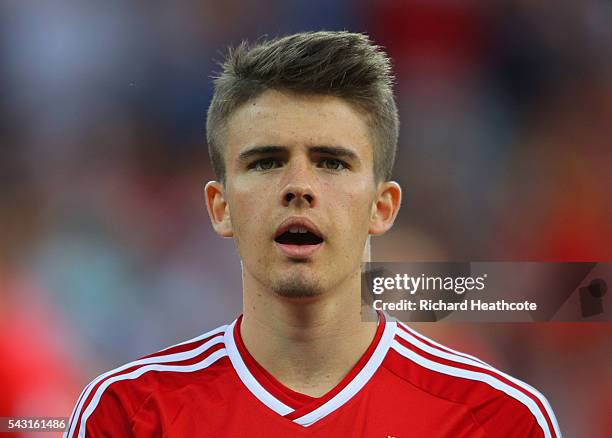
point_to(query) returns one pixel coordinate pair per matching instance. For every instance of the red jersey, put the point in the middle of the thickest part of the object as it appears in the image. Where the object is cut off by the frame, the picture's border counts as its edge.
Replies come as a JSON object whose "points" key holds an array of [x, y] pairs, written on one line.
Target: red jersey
{"points": [[404, 385]]}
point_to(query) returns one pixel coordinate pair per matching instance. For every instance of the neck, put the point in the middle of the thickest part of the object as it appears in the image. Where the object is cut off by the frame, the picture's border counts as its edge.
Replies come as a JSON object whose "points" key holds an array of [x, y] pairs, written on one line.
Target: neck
{"points": [[309, 345]]}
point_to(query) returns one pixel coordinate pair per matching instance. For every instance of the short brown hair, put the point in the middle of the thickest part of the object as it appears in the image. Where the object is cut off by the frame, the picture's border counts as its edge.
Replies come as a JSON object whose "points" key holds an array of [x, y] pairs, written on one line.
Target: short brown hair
{"points": [[342, 64]]}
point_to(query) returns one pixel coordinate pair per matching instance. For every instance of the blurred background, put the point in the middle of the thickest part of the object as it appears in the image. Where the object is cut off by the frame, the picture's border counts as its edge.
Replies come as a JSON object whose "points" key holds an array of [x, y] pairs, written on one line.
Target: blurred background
{"points": [[106, 252]]}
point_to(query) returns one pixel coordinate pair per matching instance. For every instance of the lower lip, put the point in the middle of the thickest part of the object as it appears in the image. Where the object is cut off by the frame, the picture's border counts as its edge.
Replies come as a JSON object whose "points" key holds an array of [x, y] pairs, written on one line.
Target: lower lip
{"points": [[298, 251]]}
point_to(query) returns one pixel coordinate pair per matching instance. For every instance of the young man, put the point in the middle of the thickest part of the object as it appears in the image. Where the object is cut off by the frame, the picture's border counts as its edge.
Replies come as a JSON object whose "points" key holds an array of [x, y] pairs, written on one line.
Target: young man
{"points": [[302, 132]]}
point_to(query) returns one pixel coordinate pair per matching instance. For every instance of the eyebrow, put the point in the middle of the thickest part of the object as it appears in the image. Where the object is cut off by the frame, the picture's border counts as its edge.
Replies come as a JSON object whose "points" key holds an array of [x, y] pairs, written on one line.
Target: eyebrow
{"points": [[260, 150], [335, 151]]}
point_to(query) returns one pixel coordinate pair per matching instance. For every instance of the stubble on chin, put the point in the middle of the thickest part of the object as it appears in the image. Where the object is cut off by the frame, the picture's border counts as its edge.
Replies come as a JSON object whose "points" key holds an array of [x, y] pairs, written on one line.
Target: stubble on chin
{"points": [[297, 287]]}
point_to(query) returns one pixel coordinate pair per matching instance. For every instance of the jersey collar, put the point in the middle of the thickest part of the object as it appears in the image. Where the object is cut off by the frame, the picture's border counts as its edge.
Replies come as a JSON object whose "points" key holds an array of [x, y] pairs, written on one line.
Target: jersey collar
{"points": [[300, 408]]}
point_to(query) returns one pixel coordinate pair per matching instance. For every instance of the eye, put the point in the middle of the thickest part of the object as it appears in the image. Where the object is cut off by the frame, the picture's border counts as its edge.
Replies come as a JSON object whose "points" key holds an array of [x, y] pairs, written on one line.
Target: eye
{"points": [[265, 164], [333, 164]]}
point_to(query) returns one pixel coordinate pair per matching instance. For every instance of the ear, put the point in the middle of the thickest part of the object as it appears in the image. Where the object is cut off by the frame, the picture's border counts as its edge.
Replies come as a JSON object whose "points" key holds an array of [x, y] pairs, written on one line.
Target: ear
{"points": [[385, 207], [218, 209]]}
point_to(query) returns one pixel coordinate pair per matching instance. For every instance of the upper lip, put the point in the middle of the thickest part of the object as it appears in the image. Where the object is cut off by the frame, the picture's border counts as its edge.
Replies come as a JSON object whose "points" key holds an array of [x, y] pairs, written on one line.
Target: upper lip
{"points": [[302, 222]]}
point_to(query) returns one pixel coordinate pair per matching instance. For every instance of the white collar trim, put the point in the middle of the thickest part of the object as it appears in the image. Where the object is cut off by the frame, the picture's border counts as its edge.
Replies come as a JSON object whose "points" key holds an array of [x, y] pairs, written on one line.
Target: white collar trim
{"points": [[348, 392]]}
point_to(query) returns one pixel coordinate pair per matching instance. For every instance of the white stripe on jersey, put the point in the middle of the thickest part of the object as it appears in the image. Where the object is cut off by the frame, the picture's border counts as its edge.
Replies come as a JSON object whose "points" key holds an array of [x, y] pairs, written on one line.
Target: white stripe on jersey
{"points": [[440, 346], [470, 360], [358, 382], [481, 377], [146, 361], [74, 415], [248, 379], [213, 332], [209, 360]]}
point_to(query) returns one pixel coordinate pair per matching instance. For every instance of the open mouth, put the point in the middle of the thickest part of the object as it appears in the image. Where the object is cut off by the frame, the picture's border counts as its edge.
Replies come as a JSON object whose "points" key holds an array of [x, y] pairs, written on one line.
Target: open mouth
{"points": [[298, 236]]}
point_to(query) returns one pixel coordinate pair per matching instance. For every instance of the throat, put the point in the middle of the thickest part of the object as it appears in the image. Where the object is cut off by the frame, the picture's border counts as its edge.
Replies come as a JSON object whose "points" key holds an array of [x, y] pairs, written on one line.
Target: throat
{"points": [[309, 366]]}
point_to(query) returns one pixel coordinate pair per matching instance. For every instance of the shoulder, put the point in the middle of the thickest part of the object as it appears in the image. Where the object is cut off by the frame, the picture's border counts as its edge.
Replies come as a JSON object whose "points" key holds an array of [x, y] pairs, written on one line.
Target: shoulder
{"points": [[501, 404], [109, 402]]}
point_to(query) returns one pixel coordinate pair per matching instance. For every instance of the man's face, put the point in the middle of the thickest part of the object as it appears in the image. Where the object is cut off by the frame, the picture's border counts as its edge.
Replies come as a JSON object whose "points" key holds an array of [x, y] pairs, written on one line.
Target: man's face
{"points": [[299, 189]]}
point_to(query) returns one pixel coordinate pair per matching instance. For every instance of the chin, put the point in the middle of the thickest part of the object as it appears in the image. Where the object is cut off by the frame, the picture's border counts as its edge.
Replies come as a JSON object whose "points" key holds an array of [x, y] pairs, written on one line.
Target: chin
{"points": [[298, 286]]}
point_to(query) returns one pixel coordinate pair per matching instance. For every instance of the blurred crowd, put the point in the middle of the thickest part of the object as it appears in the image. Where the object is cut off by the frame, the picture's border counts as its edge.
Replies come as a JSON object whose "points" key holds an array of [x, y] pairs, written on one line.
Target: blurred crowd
{"points": [[106, 253]]}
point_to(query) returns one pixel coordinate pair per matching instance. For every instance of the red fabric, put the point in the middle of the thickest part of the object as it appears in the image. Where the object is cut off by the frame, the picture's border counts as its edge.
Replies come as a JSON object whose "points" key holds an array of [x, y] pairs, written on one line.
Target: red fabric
{"points": [[402, 398], [280, 391], [302, 403]]}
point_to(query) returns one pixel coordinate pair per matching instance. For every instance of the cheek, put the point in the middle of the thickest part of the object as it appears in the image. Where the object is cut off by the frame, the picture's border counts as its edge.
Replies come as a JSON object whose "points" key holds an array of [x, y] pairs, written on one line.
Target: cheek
{"points": [[248, 217], [353, 209]]}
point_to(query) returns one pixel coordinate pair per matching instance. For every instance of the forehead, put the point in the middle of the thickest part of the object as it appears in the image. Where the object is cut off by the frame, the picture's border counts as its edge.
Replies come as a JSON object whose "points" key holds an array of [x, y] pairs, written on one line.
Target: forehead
{"points": [[279, 118]]}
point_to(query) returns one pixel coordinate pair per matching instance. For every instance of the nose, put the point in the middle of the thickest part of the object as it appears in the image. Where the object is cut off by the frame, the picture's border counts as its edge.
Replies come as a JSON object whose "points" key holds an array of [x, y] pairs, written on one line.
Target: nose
{"points": [[298, 188], [297, 195]]}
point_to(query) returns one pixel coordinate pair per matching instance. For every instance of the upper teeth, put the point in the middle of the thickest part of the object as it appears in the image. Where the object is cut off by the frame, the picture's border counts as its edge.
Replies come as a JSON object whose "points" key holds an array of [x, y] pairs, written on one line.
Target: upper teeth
{"points": [[300, 230]]}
